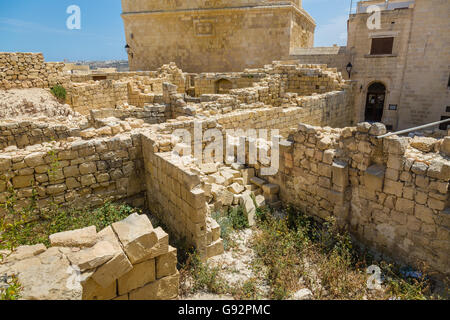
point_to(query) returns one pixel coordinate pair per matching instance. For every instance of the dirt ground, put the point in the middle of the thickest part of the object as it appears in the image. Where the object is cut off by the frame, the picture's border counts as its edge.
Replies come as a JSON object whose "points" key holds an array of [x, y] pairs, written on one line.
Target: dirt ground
{"points": [[32, 104]]}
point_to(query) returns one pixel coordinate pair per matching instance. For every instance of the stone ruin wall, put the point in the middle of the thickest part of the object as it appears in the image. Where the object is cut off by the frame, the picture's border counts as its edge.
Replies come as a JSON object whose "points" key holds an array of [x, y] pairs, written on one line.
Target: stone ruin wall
{"points": [[391, 193], [323, 171], [79, 173], [138, 89], [28, 70], [129, 260]]}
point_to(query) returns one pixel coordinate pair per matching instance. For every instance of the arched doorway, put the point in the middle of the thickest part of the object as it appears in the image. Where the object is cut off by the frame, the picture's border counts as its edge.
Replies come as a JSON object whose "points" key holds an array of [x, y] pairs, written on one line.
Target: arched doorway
{"points": [[223, 86], [376, 95]]}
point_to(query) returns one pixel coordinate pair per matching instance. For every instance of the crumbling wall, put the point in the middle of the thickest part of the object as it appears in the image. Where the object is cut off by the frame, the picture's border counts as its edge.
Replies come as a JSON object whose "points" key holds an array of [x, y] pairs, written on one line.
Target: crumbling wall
{"points": [[392, 193], [25, 133], [84, 97], [129, 260], [176, 198], [79, 173], [28, 70]]}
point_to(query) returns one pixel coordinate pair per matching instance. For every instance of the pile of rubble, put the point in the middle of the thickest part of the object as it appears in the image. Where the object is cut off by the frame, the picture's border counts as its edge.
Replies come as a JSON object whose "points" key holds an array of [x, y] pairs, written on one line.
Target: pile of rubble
{"points": [[129, 260]]}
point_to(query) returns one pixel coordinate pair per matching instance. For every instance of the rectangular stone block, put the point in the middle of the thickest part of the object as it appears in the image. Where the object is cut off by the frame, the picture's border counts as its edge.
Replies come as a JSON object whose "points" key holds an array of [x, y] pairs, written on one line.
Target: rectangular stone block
{"points": [[85, 237], [162, 289], [91, 258], [137, 236], [93, 291], [374, 177], [112, 270], [166, 264], [340, 173], [141, 274]]}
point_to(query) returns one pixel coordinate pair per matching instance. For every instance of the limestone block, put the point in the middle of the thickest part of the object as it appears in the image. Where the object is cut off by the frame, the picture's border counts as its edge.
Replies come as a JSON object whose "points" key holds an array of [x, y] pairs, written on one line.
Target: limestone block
{"points": [[236, 188], [249, 208], [85, 237], [258, 181], [163, 289], [208, 168], [214, 249], [340, 173], [22, 181], [423, 144], [93, 257], [247, 174], [141, 274], [393, 187], [137, 236], [405, 206], [424, 213], [162, 246], [445, 147], [166, 264], [377, 129], [260, 201], [396, 145], [374, 177], [93, 291], [45, 277], [225, 197], [24, 252], [35, 159], [270, 189], [112, 270]]}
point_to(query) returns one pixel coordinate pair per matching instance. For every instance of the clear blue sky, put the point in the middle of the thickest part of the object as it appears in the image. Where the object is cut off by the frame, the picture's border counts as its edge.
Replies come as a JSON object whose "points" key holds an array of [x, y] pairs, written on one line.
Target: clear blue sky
{"points": [[40, 26]]}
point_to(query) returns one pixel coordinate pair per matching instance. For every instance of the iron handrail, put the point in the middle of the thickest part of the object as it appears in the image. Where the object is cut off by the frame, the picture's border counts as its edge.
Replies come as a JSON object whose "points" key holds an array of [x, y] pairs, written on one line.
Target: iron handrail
{"points": [[413, 129]]}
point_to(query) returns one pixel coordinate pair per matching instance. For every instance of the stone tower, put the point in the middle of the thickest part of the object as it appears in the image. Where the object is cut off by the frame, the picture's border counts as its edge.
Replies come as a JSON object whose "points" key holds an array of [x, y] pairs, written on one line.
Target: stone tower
{"points": [[214, 35]]}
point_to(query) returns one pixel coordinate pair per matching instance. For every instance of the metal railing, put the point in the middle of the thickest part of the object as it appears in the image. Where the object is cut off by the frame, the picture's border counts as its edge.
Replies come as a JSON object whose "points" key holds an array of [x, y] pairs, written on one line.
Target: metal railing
{"points": [[414, 129]]}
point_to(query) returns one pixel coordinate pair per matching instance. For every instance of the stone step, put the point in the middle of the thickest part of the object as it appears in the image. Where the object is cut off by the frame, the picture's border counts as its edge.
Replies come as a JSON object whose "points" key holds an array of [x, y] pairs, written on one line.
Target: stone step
{"points": [[258, 181]]}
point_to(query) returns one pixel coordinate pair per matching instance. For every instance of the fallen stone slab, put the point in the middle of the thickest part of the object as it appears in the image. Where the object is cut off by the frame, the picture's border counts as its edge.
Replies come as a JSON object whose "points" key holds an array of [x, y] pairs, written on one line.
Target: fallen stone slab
{"points": [[22, 252], [249, 209], [236, 188], [137, 236], [112, 270], [47, 276], [85, 237], [91, 258]]}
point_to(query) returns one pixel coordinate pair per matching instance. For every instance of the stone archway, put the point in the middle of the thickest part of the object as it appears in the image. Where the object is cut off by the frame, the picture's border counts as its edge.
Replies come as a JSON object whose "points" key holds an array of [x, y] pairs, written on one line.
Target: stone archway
{"points": [[376, 96], [223, 86]]}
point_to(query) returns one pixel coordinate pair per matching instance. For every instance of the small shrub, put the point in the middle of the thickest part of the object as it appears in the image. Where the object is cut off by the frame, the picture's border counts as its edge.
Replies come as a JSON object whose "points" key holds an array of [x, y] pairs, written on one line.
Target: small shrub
{"points": [[247, 291], [59, 92], [9, 288], [204, 277], [238, 218]]}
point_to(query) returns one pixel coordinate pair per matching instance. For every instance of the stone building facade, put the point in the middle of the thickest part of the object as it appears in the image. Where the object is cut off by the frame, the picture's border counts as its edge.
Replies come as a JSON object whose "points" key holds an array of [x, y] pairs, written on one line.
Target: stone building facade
{"points": [[402, 69], [213, 36]]}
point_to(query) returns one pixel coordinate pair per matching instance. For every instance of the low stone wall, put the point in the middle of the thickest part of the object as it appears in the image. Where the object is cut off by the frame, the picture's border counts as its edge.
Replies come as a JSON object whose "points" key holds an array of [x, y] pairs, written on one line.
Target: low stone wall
{"points": [[78, 173], [28, 70], [392, 193], [129, 260], [84, 97], [150, 114], [25, 133], [174, 195]]}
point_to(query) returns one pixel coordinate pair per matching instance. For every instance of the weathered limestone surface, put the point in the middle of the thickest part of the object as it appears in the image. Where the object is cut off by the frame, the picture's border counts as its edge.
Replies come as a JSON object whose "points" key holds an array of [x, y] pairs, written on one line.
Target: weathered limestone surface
{"points": [[100, 270], [391, 193]]}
